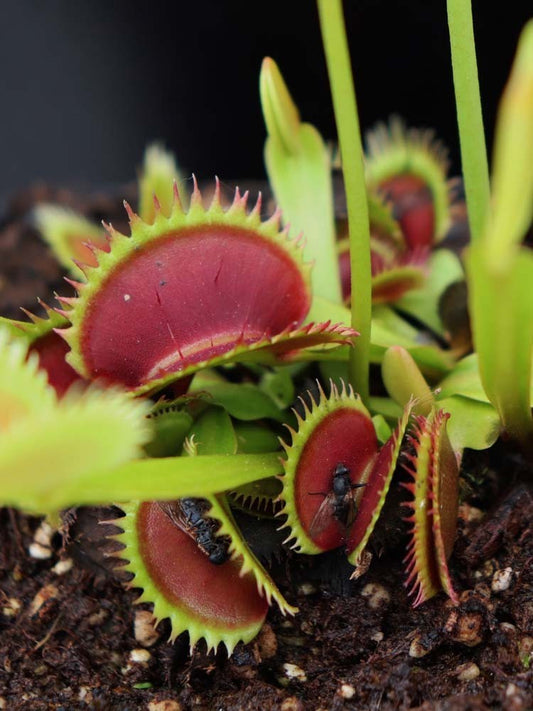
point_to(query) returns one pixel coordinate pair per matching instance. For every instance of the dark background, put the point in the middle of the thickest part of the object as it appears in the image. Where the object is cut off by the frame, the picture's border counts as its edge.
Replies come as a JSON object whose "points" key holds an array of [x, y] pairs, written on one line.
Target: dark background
{"points": [[85, 85]]}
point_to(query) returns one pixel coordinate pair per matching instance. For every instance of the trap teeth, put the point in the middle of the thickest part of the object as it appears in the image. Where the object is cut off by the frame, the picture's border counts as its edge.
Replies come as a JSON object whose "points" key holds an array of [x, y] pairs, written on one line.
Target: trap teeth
{"points": [[434, 491], [141, 280], [210, 602], [410, 167], [335, 429]]}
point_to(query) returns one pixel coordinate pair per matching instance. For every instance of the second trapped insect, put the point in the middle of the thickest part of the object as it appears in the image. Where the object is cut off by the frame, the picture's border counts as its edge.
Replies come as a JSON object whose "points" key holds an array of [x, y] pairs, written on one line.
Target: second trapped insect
{"points": [[191, 516]]}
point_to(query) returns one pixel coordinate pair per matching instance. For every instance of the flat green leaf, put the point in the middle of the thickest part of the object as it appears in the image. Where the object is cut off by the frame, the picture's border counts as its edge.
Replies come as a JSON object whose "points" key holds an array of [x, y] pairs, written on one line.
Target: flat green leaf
{"points": [[386, 320], [389, 329], [383, 430], [213, 433], [299, 170], [255, 439], [472, 423], [244, 401], [464, 380], [386, 407], [335, 370], [278, 385], [170, 427]]}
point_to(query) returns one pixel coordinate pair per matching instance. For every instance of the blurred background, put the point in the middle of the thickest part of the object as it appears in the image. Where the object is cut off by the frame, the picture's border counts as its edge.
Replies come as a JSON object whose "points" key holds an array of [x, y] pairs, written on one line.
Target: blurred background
{"points": [[86, 85]]}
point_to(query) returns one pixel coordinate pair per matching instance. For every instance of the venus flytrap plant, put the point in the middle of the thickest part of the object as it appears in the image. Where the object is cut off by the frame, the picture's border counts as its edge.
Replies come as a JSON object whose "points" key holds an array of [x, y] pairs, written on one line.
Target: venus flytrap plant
{"points": [[473, 421], [298, 167], [449, 419], [335, 441], [409, 167], [53, 444], [73, 238], [402, 164], [203, 475], [395, 268], [68, 235], [434, 470], [409, 210], [142, 276], [256, 320], [210, 602], [195, 332], [158, 173], [388, 329], [218, 603], [87, 447], [500, 272], [432, 464], [41, 338], [336, 438]]}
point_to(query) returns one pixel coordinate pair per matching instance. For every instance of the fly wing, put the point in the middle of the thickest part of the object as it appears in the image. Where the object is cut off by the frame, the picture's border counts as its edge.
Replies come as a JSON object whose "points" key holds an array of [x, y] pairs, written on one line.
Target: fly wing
{"points": [[178, 516], [323, 516], [350, 508]]}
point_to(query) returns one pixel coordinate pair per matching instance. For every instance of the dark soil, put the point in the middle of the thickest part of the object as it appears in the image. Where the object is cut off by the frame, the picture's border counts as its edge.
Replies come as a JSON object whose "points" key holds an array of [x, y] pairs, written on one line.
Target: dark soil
{"points": [[67, 631]]}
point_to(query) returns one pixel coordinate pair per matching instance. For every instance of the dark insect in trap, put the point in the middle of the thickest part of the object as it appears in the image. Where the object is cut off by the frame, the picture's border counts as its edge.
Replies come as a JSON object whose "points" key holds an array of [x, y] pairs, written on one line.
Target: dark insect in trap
{"points": [[191, 516], [340, 501]]}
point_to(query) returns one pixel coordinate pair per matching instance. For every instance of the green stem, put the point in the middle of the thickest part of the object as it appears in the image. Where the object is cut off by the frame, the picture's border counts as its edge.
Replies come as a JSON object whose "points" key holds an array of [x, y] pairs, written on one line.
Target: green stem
{"points": [[151, 479], [469, 115], [344, 104]]}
